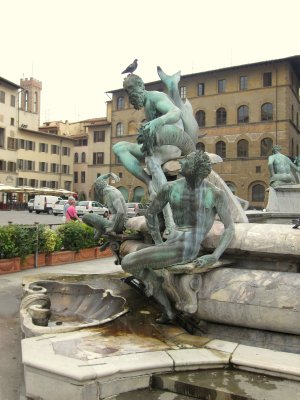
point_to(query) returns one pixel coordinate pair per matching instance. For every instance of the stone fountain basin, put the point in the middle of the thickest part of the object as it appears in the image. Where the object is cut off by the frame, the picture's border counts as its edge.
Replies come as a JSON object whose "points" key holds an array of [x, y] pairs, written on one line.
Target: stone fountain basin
{"points": [[73, 306]]}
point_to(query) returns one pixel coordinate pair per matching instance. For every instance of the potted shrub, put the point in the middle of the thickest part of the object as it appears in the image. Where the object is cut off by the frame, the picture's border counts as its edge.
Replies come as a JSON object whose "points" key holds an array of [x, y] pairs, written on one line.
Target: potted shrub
{"points": [[9, 260], [79, 238]]}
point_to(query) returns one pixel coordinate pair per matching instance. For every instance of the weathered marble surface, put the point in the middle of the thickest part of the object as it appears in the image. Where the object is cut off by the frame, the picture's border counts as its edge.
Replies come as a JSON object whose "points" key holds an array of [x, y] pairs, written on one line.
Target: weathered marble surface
{"points": [[272, 240], [284, 199]]}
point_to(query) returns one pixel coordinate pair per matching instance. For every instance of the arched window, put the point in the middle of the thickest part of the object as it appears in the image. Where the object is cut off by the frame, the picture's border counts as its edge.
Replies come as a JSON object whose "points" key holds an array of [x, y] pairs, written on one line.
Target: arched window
{"points": [[231, 186], [200, 146], [120, 103], [83, 157], [221, 116], [138, 193], [258, 192], [221, 148], [243, 114], [200, 118], [35, 104], [242, 148], [75, 158], [132, 130], [124, 192], [266, 145], [120, 129], [267, 112], [26, 100]]}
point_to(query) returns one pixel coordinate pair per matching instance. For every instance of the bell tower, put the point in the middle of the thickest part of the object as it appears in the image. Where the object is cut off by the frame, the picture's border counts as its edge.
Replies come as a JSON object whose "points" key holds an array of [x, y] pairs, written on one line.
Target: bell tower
{"points": [[31, 95]]}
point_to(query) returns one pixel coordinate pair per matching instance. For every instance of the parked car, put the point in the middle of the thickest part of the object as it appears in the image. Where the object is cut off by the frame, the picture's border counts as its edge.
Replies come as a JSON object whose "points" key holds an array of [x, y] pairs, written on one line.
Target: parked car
{"points": [[136, 209], [85, 207], [59, 207], [30, 205], [44, 203]]}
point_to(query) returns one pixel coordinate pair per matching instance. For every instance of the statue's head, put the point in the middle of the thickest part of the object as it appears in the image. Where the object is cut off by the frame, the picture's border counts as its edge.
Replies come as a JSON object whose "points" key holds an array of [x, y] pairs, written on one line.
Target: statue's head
{"points": [[100, 183], [196, 164], [276, 149], [135, 88]]}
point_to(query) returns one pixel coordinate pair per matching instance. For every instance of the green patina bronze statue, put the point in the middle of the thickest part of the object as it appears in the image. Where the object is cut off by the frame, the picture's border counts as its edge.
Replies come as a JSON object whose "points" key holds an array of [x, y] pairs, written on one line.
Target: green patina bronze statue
{"points": [[171, 131], [280, 168], [115, 202], [194, 202]]}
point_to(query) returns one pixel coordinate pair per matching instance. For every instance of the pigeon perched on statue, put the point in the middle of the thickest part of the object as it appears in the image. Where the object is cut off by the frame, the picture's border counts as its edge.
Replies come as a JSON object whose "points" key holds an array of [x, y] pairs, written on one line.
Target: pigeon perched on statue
{"points": [[131, 68]]}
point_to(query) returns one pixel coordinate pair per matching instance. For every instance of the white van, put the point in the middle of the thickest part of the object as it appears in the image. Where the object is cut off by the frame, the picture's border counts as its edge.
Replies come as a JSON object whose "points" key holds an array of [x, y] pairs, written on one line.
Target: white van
{"points": [[44, 203]]}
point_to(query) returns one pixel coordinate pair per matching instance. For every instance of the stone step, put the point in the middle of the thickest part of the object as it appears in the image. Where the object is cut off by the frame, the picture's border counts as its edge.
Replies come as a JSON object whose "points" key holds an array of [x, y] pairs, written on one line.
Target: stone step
{"points": [[146, 394], [227, 384]]}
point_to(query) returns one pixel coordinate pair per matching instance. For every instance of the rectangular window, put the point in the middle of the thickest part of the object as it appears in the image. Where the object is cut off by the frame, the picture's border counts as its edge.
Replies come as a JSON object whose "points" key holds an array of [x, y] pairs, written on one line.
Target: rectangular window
{"points": [[65, 169], [21, 181], [99, 136], [43, 184], [11, 166], [2, 96], [21, 164], [43, 167], [2, 165], [12, 100], [183, 92], [12, 122], [12, 143], [54, 168], [30, 165], [21, 144], [53, 184], [66, 151], [2, 138], [98, 158], [67, 185], [267, 79], [82, 176], [54, 149], [201, 89], [118, 161], [81, 142], [221, 85], [33, 183], [243, 82], [258, 169], [43, 148], [120, 175], [75, 177], [29, 145]]}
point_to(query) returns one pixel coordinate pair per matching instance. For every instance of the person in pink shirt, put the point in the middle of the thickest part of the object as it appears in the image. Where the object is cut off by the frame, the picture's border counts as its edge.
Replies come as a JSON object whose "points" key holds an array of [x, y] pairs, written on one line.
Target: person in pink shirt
{"points": [[71, 213]]}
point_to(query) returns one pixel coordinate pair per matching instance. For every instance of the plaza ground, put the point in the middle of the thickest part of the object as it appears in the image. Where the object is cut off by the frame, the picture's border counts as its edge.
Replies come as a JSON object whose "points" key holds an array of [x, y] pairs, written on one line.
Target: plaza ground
{"points": [[11, 369]]}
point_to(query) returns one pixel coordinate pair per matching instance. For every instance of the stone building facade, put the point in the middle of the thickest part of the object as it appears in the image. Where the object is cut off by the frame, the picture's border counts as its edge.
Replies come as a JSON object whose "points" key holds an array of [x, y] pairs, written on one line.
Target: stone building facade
{"points": [[30, 156], [243, 110]]}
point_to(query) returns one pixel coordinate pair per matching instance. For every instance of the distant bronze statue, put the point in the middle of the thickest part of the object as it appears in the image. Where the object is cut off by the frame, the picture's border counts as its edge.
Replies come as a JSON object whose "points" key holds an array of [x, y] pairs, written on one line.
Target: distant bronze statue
{"points": [[194, 202], [171, 131], [114, 201], [280, 168]]}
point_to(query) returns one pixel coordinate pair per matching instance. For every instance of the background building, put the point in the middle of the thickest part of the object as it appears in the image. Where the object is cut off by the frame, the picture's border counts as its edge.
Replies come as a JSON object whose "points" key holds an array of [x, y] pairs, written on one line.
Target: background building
{"points": [[243, 110], [30, 156]]}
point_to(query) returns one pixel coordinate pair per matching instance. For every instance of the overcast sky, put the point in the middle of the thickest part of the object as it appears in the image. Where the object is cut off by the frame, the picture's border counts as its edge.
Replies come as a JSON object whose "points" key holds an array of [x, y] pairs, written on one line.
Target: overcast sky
{"points": [[78, 49]]}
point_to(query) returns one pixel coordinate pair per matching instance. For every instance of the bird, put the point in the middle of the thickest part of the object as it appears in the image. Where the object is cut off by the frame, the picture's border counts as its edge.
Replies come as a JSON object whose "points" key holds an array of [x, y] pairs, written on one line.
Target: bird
{"points": [[131, 68]]}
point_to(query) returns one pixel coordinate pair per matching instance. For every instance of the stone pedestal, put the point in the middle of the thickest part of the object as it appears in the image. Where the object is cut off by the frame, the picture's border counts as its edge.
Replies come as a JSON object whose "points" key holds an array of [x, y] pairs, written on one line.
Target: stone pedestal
{"points": [[284, 199]]}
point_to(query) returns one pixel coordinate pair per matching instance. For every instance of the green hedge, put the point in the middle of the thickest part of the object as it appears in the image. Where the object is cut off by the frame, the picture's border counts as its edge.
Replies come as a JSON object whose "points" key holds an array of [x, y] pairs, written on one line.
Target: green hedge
{"points": [[22, 240]]}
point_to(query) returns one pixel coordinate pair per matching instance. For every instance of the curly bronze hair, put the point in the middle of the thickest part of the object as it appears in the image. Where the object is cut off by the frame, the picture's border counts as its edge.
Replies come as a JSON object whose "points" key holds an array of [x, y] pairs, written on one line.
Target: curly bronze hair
{"points": [[201, 163], [133, 80]]}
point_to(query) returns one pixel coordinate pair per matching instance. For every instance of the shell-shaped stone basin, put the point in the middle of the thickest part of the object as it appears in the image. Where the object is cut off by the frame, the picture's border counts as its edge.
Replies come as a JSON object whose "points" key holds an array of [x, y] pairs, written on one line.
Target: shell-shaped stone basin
{"points": [[73, 306]]}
